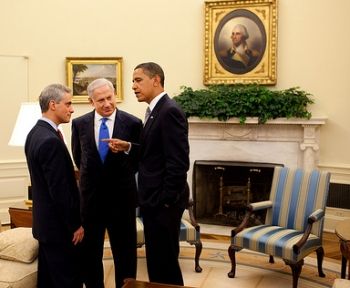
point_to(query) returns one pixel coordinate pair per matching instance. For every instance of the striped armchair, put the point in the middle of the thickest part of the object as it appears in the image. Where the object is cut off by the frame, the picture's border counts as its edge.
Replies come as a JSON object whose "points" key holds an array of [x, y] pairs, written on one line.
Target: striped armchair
{"points": [[294, 220], [189, 232]]}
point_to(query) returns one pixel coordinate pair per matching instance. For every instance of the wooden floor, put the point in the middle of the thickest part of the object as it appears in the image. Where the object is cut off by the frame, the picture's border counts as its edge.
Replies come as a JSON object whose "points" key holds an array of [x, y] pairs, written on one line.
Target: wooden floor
{"points": [[330, 243]]}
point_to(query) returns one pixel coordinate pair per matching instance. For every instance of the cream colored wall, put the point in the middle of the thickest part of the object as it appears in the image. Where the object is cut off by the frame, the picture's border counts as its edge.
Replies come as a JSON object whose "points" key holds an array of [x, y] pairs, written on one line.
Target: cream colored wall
{"points": [[313, 53]]}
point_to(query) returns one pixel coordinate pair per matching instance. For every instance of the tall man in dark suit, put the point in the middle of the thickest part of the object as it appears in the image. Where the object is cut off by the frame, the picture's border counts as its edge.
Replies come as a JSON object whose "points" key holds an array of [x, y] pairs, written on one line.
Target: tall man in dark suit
{"points": [[163, 166], [107, 183], [56, 210]]}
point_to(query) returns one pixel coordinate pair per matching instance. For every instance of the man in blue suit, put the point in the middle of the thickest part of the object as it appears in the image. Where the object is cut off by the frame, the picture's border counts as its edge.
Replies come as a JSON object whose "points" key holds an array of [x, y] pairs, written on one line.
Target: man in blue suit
{"points": [[107, 183], [56, 208], [163, 166]]}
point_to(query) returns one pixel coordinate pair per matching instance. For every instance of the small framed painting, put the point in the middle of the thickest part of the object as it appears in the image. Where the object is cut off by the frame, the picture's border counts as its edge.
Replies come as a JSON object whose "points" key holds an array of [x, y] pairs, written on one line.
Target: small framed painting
{"points": [[80, 71]]}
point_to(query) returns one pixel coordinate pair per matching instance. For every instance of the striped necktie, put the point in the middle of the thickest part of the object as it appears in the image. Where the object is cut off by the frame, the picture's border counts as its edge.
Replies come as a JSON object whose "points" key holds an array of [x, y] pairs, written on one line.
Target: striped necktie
{"points": [[103, 134], [147, 114]]}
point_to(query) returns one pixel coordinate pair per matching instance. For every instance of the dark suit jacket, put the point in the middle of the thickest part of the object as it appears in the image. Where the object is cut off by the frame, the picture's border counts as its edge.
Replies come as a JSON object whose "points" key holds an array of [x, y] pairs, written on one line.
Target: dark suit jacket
{"points": [[236, 66], [108, 185], [164, 156], [56, 212]]}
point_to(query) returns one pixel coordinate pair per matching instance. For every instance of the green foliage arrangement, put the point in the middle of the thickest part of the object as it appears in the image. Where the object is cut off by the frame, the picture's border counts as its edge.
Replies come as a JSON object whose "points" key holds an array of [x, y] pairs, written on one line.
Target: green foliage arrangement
{"points": [[244, 100]]}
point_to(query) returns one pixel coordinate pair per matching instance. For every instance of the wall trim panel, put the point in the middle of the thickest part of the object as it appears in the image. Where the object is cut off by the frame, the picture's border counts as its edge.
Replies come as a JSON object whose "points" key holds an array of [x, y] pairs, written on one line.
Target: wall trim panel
{"points": [[14, 180]]}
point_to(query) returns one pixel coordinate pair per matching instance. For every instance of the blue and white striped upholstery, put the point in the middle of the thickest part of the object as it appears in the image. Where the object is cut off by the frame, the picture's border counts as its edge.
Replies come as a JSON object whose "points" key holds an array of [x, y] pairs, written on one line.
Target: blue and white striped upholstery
{"points": [[295, 195], [187, 232]]}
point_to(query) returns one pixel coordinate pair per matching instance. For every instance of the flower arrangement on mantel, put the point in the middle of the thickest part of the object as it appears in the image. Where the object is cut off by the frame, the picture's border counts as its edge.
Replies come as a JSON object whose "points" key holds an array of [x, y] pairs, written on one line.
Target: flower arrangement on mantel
{"points": [[244, 100]]}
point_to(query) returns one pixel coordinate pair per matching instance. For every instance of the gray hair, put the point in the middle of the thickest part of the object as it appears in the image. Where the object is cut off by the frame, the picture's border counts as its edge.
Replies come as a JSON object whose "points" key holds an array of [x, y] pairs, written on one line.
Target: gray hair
{"points": [[97, 83], [53, 92], [242, 29]]}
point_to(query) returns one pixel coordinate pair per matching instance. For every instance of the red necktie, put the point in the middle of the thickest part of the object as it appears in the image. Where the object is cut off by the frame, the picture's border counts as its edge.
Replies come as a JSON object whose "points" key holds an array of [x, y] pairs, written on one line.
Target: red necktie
{"points": [[60, 134]]}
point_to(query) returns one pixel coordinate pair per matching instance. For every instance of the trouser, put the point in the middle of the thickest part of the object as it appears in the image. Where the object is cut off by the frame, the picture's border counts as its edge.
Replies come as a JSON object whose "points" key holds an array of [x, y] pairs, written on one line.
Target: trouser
{"points": [[59, 266], [162, 228]]}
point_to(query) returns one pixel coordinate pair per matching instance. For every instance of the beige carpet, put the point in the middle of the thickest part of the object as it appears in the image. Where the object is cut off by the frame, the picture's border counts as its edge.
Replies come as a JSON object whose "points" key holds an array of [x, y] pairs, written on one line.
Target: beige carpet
{"points": [[253, 270]]}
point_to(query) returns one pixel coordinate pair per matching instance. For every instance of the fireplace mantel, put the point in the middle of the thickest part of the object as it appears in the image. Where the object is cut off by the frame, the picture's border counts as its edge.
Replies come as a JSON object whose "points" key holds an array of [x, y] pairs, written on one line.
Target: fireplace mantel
{"points": [[292, 142], [254, 120]]}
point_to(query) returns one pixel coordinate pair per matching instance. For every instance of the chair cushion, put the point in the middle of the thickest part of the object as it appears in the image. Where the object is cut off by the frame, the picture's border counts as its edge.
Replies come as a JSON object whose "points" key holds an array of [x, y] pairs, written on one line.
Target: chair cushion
{"points": [[187, 231], [17, 275], [276, 241], [19, 245], [140, 237]]}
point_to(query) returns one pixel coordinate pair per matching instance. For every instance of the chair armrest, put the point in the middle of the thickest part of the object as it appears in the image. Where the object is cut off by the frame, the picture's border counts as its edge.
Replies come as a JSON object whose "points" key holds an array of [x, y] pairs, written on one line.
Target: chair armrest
{"points": [[260, 205], [251, 208], [191, 215], [314, 217], [302, 241]]}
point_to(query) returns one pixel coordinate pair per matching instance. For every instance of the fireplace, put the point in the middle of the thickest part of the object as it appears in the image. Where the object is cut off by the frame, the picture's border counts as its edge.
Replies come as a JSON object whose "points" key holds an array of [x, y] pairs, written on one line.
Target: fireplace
{"points": [[249, 147], [222, 189]]}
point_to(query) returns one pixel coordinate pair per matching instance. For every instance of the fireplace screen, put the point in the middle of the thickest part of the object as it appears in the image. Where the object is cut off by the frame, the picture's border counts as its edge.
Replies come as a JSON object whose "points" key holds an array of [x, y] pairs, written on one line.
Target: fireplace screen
{"points": [[222, 190]]}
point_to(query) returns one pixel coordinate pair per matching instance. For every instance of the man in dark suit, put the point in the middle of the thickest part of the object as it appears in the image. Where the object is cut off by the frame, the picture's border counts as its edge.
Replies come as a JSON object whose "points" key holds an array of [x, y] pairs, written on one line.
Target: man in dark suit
{"points": [[163, 166], [56, 212], [107, 183]]}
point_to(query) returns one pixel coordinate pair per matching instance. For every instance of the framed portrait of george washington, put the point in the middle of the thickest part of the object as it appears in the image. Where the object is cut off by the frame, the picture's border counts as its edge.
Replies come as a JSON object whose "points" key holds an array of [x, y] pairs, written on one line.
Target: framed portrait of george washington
{"points": [[240, 42], [81, 71]]}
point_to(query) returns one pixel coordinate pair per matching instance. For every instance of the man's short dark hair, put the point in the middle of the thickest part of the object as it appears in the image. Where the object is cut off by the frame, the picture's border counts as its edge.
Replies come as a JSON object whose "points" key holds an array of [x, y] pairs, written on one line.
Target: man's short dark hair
{"points": [[152, 69]]}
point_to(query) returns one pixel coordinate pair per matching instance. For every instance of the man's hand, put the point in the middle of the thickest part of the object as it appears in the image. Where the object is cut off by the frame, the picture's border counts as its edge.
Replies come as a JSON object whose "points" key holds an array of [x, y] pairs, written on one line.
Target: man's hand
{"points": [[78, 235], [118, 145]]}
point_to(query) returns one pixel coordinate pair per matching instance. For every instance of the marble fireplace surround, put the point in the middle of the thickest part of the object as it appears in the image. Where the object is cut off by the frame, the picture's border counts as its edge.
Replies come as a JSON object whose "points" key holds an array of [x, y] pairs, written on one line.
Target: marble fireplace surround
{"points": [[292, 142]]}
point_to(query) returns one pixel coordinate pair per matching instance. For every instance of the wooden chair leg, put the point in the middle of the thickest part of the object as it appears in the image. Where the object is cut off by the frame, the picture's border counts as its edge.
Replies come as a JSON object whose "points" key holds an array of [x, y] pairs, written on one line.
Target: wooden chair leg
{"points": [[345, 251], [296, 270], [232, 254], [343, 267], [199, 246], [320, 255]]}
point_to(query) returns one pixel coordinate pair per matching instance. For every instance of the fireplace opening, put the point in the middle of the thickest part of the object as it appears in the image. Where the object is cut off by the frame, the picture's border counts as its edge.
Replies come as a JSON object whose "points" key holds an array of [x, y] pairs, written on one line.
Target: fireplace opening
{"points": [[222, 190]]}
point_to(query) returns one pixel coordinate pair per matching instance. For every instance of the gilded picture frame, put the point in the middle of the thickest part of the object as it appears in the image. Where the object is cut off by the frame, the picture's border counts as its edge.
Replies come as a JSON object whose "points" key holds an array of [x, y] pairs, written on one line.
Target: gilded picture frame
{"points": [[80, 71], [240, 42]]}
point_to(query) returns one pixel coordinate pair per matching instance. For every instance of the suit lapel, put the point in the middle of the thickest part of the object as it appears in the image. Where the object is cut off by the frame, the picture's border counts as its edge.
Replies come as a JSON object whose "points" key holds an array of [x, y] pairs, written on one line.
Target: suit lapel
{"points": [[119, 125], [54, 133], [90, 126], [154, 115], [47, 126]]}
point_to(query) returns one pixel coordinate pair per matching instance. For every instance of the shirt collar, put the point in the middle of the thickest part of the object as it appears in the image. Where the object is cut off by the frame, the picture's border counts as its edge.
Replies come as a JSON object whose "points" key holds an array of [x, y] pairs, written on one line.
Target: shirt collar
{"points": [[53, 124], [98, 117], [155, 100]]}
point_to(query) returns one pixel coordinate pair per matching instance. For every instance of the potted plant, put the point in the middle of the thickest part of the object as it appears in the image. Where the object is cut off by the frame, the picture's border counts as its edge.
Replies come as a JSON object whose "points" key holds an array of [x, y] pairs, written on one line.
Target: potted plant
{"points": [[244, 100]]}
